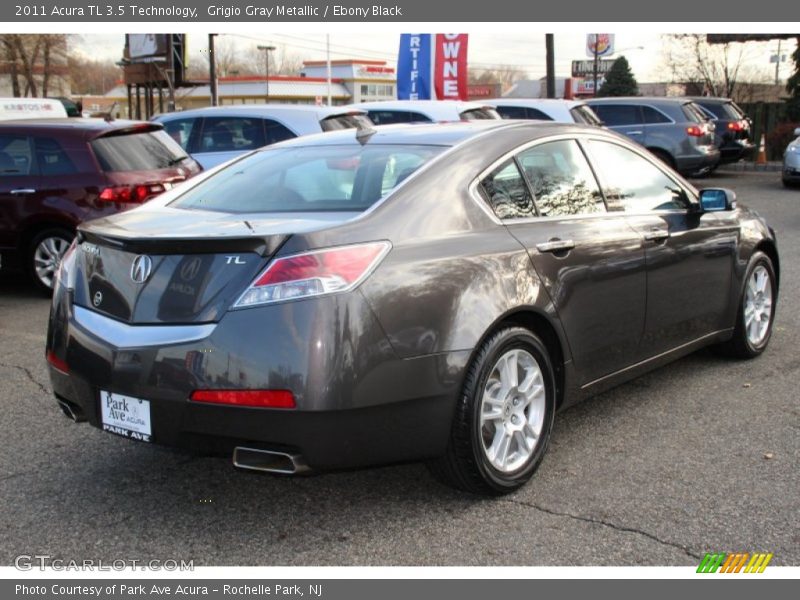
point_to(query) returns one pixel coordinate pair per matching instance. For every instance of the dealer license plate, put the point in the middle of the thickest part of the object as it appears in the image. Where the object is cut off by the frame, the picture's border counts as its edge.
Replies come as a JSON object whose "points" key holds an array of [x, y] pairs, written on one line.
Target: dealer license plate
{"points": [[125, 415]]}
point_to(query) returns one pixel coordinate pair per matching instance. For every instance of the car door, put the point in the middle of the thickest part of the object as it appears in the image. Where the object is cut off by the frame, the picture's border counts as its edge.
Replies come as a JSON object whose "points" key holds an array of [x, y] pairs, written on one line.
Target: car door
{"points": [[626, 119], [590, 261], [19, 186], [689, 255]]}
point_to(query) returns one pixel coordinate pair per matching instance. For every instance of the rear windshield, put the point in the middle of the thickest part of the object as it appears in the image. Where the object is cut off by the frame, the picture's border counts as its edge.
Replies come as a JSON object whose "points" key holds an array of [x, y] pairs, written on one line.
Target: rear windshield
{"points": [[694, 113], [345, 122], [727, 111], [308, 179], [138, 151], [479, 114], [585, 115]]}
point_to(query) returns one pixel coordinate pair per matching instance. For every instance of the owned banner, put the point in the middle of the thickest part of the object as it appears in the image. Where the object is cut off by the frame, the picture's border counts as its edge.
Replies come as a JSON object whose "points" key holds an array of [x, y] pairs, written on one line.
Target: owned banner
{"points": [[432, 66]]}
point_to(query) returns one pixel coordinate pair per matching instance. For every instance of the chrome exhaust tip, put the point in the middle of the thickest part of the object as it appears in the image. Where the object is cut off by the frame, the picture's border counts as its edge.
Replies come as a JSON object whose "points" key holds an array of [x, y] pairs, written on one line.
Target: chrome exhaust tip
{"points": [[73, 412], [268, 461]]}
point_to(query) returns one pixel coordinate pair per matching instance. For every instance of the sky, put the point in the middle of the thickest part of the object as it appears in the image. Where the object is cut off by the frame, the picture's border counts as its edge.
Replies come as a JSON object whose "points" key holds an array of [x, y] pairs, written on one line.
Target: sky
{"points": [[644, 51]]}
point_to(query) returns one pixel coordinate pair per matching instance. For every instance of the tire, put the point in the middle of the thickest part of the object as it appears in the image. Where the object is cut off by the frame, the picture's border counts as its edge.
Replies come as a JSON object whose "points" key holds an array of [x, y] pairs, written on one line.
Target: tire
{"points": [[44, 255], [759, 296], [476, 459]]}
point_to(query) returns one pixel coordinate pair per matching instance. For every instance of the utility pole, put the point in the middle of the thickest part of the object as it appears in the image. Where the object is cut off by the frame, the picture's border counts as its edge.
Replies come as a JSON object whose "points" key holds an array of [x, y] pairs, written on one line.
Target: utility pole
{"points": [[596, 66], [778, 64], [212, 70], [267, 50], [551, 65], [328, 61]]}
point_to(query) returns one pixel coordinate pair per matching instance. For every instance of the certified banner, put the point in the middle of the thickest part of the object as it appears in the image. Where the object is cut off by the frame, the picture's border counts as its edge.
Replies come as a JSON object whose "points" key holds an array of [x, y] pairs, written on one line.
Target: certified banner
{"points": [[432, 66], [450, 68], [414, 72]]}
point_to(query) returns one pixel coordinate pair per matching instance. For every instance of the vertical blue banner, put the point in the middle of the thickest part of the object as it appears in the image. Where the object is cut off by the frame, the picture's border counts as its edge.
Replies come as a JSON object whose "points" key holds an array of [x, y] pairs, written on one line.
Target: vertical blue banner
{"points": [[414, 72]]}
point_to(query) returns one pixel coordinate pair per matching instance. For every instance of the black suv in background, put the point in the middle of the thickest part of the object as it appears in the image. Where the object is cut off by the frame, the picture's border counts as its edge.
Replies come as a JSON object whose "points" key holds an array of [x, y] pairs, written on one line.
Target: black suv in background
{"points": [[676, 130], [733, 133], [57, 173]]}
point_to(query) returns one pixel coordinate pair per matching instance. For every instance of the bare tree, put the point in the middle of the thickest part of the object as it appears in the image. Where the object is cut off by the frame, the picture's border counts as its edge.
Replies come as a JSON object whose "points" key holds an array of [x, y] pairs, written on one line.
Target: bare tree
{"points": [[35, 58], [715, 69], [281, 61], [505, 75]]}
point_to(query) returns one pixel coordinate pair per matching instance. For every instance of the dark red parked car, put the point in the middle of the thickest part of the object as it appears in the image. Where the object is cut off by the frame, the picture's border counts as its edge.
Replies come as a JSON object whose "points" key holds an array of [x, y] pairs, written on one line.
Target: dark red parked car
{"points": [[57, 173]]}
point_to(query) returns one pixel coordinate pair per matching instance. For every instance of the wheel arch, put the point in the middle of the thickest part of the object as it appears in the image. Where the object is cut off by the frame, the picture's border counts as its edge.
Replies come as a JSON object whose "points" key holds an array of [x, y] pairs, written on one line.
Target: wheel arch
{"points": [[769, 248], [542, 325]]}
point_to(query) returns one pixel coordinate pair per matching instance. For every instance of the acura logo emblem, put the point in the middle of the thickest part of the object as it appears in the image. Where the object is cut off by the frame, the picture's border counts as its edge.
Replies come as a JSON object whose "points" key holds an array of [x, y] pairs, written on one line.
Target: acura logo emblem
{"points": [[98, 298], [141, 267]]}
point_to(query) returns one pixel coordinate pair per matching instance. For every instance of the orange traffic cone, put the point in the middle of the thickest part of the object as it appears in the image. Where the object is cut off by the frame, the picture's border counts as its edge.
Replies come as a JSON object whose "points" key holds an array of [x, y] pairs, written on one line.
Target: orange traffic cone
{"points": [[762, 152]]}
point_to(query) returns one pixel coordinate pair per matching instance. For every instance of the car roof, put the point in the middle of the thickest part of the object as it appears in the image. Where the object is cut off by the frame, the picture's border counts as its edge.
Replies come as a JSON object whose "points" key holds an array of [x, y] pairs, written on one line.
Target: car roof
{"points": [[428, 134], [260, 110], [77, 125], [438, 110], [709, 99], [639, 100], [535, 102]]}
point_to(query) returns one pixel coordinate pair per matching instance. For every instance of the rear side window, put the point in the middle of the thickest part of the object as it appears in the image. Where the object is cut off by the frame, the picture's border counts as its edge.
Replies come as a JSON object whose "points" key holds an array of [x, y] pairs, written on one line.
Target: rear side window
{"points": [[618, 114], [585, 115], [633, 184], [561, 179], [479, 114], [137, 151], [508, 193], [15, 155], [52, 159], [727, 110], [694, 113], [308, 179], [274, 132], [653, 116], [336, 122]]}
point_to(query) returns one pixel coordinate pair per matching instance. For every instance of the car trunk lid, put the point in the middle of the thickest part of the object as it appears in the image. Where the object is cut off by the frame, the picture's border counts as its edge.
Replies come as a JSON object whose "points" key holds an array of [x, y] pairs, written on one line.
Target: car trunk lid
{"points": [[177, 266]]}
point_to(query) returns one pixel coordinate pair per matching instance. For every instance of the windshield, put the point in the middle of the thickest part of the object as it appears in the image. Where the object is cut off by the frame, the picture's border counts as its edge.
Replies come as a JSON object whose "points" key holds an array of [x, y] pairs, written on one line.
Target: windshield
{"points": [[478, 114], [308, 179], [585, 115], [138, 151], [349, 121]]}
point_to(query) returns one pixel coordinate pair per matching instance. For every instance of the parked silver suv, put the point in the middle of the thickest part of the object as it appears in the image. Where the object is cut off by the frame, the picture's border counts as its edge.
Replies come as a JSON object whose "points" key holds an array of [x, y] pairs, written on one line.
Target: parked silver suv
{"points": [[674, 129]]}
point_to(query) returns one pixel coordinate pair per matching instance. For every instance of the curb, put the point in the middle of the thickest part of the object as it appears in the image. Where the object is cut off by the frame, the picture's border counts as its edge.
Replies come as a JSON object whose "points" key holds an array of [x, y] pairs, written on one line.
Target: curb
{"points": [[752, 167]]}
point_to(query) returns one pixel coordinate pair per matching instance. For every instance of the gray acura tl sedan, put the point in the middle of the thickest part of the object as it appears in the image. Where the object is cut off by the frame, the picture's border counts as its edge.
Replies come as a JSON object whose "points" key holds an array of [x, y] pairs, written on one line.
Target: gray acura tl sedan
{"points": [[431, 292]]}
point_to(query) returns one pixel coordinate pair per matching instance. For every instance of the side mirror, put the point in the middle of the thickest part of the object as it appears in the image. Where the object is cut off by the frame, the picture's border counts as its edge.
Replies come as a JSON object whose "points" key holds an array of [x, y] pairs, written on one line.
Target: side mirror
{"points": [[717, 199]]}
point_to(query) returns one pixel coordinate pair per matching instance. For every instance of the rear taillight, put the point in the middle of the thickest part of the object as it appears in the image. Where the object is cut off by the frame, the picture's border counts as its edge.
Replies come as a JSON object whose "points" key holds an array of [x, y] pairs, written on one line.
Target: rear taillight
{"points": [[696, 131], [315, 273], [57, 363], [252, 398], [131, 193]]}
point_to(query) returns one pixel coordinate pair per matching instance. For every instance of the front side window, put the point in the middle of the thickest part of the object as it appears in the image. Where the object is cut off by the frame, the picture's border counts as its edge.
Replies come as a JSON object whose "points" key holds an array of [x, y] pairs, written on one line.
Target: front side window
{"points": [[617, 115], [507, 193], [632, 183], [561, 179], [232, 134], [308, 179]]}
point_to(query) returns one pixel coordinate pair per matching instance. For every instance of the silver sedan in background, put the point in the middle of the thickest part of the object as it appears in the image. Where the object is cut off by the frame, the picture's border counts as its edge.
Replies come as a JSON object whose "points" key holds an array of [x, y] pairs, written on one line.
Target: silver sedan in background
{"points": [[791, 161]]}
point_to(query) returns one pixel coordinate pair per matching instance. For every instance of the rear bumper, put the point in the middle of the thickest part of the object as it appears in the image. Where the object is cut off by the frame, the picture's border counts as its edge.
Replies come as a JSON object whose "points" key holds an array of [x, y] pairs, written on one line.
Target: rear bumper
{"points": [[700, 162], [736, 150], [357, 403]]}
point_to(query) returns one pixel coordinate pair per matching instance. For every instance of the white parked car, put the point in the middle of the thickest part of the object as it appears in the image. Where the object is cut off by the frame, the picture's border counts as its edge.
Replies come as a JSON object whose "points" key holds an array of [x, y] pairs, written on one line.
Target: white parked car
{"points": [[546, 109], [425, 111], [214, 135], [791, 161]]}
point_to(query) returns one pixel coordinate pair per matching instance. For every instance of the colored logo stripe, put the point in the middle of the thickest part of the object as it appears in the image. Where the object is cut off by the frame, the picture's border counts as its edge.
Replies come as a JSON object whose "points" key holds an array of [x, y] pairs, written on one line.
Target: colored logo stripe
{"points": [[734, 562]]}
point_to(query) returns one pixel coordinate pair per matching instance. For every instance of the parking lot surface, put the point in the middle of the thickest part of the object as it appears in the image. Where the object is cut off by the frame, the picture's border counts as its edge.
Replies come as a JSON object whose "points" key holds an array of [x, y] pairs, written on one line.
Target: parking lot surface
{"points": [[699, 456]]}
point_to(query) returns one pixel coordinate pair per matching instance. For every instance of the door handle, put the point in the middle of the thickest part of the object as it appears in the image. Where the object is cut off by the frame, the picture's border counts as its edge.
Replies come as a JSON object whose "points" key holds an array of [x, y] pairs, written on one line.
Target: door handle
{"points": [[656, 235], [21, 191], [555, 246]]}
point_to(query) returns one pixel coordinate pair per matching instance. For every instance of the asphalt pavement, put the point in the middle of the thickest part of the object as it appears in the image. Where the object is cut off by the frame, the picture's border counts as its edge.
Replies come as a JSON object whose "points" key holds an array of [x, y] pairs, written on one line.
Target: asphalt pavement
{"points": [[699, 456]]}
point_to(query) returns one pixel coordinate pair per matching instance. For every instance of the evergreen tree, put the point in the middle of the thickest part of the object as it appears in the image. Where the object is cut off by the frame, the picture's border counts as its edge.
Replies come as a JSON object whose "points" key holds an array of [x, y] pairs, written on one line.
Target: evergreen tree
{"points": [[793, 87], [619, 80]]}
